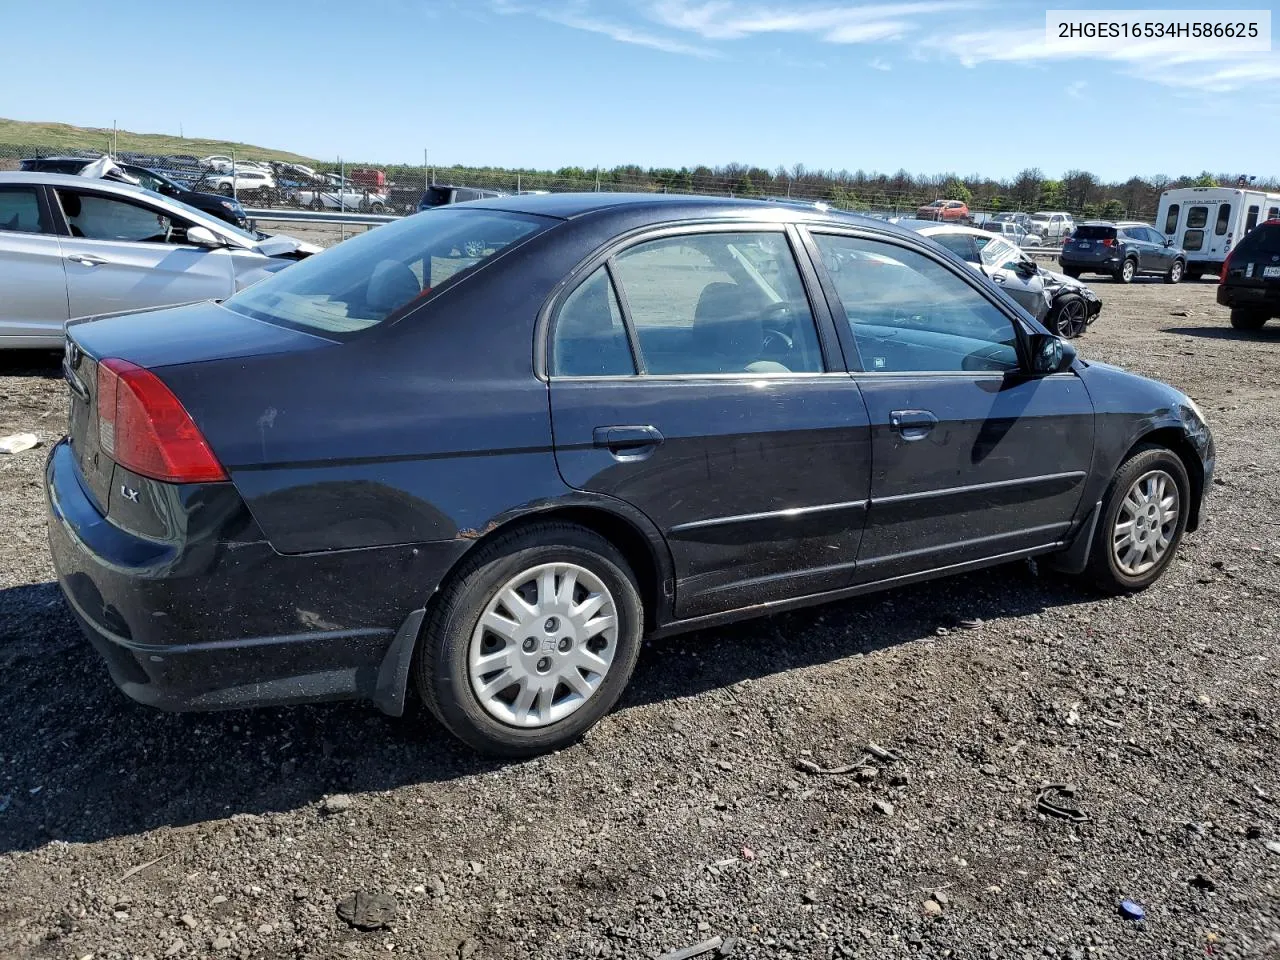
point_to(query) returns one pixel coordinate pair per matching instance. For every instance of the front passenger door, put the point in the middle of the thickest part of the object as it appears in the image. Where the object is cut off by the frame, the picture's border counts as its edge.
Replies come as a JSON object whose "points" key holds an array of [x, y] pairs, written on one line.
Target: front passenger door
{"points": [[972, 457], [33, 286], [123, 254]]}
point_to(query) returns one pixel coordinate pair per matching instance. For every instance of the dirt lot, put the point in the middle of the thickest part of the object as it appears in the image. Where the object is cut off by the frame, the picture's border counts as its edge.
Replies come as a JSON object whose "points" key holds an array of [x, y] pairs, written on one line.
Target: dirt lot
{"points": [[126, 833]]}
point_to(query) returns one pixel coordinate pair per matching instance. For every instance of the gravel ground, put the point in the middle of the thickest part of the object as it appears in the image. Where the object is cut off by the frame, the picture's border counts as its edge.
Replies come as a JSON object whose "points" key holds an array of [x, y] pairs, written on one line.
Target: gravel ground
{"points": [[687, 813]]}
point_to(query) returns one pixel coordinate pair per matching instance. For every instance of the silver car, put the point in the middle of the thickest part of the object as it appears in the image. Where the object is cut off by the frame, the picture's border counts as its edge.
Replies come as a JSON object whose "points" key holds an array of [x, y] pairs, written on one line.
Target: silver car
{"points": [[75, 246]]}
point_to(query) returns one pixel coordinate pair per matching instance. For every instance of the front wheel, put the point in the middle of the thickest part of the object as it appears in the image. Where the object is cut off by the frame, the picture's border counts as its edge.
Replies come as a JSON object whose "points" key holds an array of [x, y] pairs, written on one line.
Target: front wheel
{"points": [[1242, 319], [1175, 272], [1069, 316], [532, 642], [1143, 518]]}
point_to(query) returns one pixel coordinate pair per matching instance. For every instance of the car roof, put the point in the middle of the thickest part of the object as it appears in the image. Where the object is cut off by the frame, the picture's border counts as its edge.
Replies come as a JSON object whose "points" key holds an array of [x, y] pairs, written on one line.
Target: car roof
{"points": [[930, 227], [664, 207]]}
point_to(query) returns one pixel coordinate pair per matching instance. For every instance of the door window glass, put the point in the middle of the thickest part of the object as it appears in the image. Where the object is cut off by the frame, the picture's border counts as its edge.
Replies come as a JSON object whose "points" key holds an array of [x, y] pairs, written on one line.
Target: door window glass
{"points": [[96, 217], [1252, 220], [1171, 219], [1224, 220], [1197, 217], [1273, 213], [589, 338], [909, 313], [20, 211], [961, 244], [1193, 240], [719, 303]]}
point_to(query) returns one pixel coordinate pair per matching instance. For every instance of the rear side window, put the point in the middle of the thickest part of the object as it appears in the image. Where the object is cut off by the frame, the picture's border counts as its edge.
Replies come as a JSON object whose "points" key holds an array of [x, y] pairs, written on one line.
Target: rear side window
{"points": [[1171, 219], [1197, 217], [961, 244], [1091, 232], [1224, 219], [1251, 220], [20, 211], [589, 338], [718, 303], [369, 278], [1273, 213]]}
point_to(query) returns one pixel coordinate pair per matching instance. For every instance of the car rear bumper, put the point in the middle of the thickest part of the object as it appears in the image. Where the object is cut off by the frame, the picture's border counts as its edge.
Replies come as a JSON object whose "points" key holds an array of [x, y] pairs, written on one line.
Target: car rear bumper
{"points": [[1263, 298], [198, 625], [1108, 263]]}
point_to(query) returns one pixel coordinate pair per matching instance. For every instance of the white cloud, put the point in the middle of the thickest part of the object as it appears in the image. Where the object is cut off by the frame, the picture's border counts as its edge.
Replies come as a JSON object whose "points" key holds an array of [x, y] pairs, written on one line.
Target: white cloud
{"points": [[577, 16], [868, 23], [880, 63]]}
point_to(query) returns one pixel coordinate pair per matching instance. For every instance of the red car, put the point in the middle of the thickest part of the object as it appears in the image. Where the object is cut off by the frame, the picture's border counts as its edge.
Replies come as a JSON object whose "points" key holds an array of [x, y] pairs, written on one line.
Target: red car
{"points": [[949, 211]]}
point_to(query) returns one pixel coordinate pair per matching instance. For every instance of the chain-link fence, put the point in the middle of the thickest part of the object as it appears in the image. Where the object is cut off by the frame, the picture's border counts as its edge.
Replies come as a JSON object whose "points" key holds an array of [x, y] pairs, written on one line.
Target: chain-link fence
{"points": [[398, 188]]}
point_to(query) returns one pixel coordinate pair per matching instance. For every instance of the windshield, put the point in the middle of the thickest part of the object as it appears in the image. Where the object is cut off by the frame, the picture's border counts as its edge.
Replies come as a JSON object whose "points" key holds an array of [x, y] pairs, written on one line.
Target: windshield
{"points": [[368, 279]]}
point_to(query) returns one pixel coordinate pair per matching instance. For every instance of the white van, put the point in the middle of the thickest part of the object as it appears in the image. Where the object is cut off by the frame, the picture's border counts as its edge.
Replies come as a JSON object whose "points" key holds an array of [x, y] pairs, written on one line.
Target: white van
{"points": [[1206, 221]]}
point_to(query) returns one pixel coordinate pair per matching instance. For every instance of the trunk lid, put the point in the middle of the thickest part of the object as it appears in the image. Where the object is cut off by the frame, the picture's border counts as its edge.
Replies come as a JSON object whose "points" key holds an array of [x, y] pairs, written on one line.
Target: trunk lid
{"points": [[1256, 261], [155, 339]]}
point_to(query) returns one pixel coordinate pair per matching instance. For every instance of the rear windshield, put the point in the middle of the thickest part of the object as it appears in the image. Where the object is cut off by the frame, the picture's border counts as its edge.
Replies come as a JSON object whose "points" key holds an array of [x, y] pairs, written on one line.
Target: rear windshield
{"points": [[372, 277], [436, 196], [1088, 232], [1264, 239]]}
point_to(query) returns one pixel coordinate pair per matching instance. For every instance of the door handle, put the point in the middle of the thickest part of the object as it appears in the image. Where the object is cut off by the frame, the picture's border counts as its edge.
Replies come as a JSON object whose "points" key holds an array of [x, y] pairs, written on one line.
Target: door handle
{"points": [[998, 277], [912, 424], [627, 442], [85, 259]]}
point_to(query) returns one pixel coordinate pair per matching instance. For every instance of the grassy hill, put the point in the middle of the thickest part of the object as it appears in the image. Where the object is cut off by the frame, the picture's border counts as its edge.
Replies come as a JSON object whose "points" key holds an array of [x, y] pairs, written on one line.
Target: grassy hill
{"points": [[23, 133]]}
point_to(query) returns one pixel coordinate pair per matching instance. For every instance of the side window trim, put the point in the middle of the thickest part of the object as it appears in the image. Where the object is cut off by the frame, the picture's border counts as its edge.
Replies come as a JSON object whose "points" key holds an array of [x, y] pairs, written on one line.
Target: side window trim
{"points": [[844, 328], [833, 358]]}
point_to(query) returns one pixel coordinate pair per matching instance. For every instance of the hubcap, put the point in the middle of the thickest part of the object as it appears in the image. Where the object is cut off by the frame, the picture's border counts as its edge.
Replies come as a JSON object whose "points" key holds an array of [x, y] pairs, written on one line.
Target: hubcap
{"points": [[1128, 270], [1146, 523], [543, 645], [1070, 320], [1177, 271]]}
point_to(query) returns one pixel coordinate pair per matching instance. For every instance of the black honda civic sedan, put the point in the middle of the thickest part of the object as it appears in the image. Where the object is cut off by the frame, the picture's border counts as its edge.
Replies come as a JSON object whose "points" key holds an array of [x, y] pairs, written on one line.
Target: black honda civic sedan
{"points": [[485, 450]]}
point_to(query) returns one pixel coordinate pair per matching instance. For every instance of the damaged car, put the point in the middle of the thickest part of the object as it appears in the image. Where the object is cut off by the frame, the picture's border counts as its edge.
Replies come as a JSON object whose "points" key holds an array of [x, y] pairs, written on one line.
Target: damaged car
{"points": [[1064, 305], [78, 246]]}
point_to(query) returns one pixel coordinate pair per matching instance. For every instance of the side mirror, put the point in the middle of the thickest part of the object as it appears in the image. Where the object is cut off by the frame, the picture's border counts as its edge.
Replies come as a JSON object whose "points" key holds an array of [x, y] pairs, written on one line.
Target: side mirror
{"points": [[203, 237], [1168, 241], [1028, 268], [1050, 354]]}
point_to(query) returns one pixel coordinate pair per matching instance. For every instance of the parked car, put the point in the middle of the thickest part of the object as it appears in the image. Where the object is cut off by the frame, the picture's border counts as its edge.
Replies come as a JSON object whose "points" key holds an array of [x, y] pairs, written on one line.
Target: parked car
{"points": [[222, 207], [439, 195], [521, 497], [351, 197], [218, 163], [73, 246], [1207, 221], [1063, 304], [1250, 280], [951, 211], [1122, 250], [375, 181], [1021, 219], [1053, 226], [1013, 232], [242, 181]]}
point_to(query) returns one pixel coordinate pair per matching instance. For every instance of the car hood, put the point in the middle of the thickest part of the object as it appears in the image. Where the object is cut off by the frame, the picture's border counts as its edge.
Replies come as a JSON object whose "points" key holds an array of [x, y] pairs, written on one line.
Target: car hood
{"points": [[1061, 280], [1112, 387], [281, 244]]}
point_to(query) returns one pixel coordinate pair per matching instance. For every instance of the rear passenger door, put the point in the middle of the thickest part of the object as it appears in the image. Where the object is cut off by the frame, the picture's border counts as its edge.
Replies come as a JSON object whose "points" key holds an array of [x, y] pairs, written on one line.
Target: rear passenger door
{"points": [[692, 377], [33, 285]]}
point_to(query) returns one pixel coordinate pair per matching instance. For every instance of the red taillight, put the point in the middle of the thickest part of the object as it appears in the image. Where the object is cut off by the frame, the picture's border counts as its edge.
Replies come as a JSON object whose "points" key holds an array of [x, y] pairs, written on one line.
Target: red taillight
{"points": [[143, 427], [1226, 264], [1108, 243]]}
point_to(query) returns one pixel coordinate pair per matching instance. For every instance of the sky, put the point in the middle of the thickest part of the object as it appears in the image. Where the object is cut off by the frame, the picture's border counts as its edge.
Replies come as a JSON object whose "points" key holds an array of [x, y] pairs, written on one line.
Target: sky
{"points": [[932, 86]]}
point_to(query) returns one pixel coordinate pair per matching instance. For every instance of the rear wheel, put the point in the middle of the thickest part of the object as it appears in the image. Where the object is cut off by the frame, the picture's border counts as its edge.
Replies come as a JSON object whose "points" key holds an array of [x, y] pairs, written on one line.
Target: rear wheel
{"points": [[1194, 274], [1243, 319], [1143, 518], [1175, 272], [532, 642], [316, 204], [1128, 270], [1072, 272]]}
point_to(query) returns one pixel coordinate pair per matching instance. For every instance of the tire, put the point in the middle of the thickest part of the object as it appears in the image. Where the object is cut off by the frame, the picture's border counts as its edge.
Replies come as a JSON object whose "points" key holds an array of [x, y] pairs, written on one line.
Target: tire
{"points": [[1176, 272], [1069, 316], [453, 636], [1127, 271], [1243, 319], [227, 190], [1072, 272], [315, 204], [1105, 568], [376, 208], [1194, 274]]}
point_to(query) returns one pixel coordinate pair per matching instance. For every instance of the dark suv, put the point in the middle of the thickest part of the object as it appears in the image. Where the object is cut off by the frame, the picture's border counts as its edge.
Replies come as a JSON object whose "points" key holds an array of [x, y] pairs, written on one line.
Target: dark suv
{"points": [[1250, 282], [439, 195], [1121, 250], [227, 209]]}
